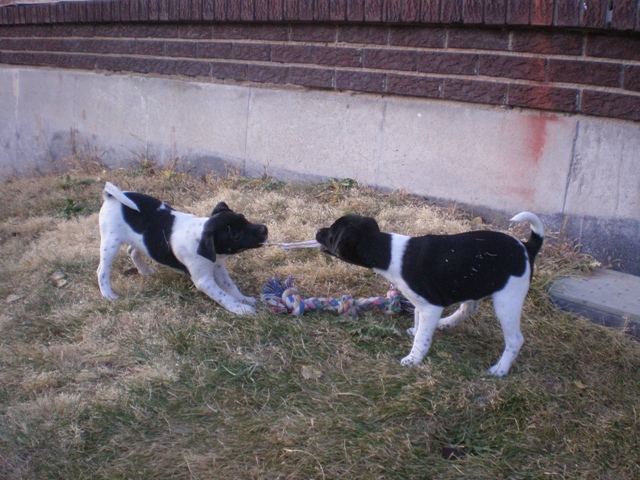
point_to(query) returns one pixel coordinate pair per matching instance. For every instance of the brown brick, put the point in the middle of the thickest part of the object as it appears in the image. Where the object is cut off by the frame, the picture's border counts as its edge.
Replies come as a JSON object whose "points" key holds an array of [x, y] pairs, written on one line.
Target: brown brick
{"points": [[321, 10], [234, 10], [233, 71], [261, 12], [417, 37], [448, 63], [267, 74], [478, 39], [624, 14], [143, 10], [393, 11], [542, 12], [472, 12], [595, 15], [518, 12], [414, 86], [632, 78], [268, 32], [214, 50], [430, 11], [311, 77], [411, 11], [208, 7], [474, 91], [593, 73], [249, 51], [159, 31], [568, 13], [360, 81], [180, 49], [276, 10], [525, 68], [194, 31], [292, 53], [220, 9], [613, 105], [313, 33], [355, 10], [547, 42], [246, 10], [337, 10], [230, 31], [543, 97], [338, 57], [606, 46], [495, 12], [390, 59], [372, 10], [152, 47], [192, 68], [368, 34], [451, 11]]}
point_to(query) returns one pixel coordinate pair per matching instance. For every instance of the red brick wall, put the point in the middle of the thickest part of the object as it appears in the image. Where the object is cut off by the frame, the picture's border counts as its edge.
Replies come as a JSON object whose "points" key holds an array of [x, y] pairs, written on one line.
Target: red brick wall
{"points": [[565, 56]]}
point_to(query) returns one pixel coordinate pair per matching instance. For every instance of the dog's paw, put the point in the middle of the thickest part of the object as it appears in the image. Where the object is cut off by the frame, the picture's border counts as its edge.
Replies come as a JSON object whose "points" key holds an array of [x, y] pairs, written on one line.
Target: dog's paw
{"points": [[109, 296], [409, 361], [242, 309], [249, 300], [411, 331], [496, 371]]}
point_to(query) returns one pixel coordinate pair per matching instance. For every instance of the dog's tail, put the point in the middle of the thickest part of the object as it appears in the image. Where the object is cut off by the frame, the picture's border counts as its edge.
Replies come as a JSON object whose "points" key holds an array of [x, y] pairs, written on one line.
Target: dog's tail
{"points": [[111, 190], [534, 243]]}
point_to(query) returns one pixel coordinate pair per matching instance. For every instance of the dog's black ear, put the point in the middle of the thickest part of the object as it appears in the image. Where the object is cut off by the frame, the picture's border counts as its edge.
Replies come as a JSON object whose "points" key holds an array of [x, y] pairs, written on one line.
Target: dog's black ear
{"points": [[220, 207], [207, 247]]}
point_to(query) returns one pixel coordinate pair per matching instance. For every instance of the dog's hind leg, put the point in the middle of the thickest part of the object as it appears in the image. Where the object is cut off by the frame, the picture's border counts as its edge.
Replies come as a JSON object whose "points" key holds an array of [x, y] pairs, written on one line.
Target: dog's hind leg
{"points": [[508, 306], [427, 317], [108, 248], [466, 309], [139, 262]]}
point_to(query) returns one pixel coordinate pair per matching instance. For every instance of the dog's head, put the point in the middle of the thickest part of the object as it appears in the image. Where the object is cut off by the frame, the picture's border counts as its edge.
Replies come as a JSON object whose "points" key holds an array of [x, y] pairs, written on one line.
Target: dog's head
{"points": [[350, 238], [227, 233]]}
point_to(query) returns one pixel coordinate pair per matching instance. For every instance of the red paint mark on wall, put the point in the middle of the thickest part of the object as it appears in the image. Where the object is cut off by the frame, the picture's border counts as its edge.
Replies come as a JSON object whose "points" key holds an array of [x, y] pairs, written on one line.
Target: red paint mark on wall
{"points": [[537, 136]]}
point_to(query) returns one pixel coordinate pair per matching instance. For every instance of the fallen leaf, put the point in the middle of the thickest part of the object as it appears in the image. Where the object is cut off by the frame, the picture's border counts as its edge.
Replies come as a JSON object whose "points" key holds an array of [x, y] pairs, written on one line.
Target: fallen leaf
{"points": [[309, 372], [13, 298], [444, 355], [579, 384]]}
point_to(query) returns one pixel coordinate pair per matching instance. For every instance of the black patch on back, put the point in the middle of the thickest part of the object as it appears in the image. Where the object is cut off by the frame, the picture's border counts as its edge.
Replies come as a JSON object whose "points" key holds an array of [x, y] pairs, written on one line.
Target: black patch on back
{"points": [[447, 269], [155, 226]]}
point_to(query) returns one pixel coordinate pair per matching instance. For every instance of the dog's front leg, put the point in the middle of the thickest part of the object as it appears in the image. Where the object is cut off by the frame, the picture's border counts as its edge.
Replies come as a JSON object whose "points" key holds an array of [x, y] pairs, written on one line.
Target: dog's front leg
{"points": [[416, 322], [222, 278], [426, 320], [207, 285]]}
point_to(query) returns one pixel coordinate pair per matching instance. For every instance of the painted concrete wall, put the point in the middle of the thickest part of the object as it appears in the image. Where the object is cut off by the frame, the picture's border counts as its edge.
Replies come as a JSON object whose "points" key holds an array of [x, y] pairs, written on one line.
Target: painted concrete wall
{"points": [[581, 170]]}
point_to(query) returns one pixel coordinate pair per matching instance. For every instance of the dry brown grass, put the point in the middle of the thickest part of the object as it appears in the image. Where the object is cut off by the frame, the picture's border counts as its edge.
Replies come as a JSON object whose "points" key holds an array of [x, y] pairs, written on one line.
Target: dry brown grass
{"points": [[163, 383]]}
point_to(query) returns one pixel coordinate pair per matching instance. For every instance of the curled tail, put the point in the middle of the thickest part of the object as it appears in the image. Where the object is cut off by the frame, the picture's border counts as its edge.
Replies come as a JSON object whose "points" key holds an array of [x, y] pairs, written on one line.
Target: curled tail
{"points": [[534, 243], [111, 190]]}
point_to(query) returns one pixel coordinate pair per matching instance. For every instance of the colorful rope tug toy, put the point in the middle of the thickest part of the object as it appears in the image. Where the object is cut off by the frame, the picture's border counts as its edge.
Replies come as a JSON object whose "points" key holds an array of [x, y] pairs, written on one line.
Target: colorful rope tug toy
{"points": [[283, 298]]}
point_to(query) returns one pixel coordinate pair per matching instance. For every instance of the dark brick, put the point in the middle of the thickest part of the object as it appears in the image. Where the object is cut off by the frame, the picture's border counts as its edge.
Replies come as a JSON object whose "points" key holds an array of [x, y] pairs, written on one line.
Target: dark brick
{"points": [[193, 68], [613, 46], [84, 31], [475, 91], [311, 77], [151, 47], [267, 74], [393, 11], [180, 49], [372, 10], [542, 12], [390, 59], [230, 32], [220, 10], [234, 10], [233, 71], [251, 51], [337, 10], [360, 81], [208, 8], [518, 12], [246, 10], [143, 10], [414, 86], [214, 50], [472, 12], [612, 105], [125, 10], [154, 10], [194, 31], [410, 11], [300, 11], [430, 11], [292, 54], [363, 34], [568, 13], [321, 10], [448, 63], [338, 57], [162, 30], [495, 12], [592, 73], [268, 32], [547, 42], [478, 39], [276, 10], [417, 37], [451, 11], [355, 10], [632, 78], [261, 12], [543, 97], [163, 10], [595, 15], [313, 33], [511, 67]]}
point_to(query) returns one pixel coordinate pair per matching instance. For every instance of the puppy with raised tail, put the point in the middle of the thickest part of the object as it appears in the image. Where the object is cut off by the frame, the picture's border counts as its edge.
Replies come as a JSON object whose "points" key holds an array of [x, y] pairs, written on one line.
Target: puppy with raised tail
{"points": [[198, 246], [436, 271]]}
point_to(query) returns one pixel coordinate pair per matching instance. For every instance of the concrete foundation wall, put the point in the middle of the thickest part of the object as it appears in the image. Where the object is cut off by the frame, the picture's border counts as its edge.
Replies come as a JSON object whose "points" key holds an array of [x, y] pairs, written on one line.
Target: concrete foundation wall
{"points": [[580, 172]]}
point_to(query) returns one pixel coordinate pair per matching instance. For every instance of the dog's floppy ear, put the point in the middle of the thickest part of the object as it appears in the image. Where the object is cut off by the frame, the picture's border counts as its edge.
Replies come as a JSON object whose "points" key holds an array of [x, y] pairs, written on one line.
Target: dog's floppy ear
{"points": [[220, 207], [207, 247]]}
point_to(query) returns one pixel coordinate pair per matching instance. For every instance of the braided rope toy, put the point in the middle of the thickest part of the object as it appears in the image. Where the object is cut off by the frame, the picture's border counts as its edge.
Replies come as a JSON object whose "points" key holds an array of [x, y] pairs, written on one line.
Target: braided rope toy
{"points": [[283, 298]]}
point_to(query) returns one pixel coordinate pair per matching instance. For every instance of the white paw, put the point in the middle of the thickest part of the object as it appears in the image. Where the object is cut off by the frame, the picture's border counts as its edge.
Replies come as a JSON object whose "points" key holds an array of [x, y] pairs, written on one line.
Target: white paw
{"points": [[242, 309], [411, 331], [443, 326], [409, 360], [109, 295], [496, 371], [249, 300]]}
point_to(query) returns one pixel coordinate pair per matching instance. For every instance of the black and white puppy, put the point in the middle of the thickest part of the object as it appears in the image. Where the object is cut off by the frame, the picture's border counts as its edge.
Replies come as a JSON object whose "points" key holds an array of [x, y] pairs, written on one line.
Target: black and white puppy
{"points": [[198, 246], [436, 271]]}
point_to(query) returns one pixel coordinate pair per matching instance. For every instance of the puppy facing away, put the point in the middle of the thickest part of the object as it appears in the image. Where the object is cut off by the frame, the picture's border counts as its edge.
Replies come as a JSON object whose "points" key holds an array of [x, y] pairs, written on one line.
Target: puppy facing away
{"points": [[436, 271], [198, 246]]}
